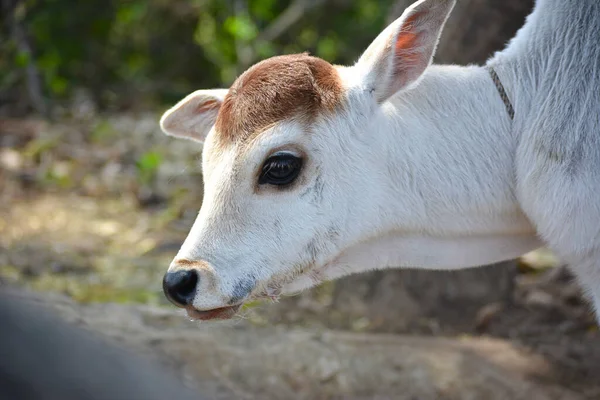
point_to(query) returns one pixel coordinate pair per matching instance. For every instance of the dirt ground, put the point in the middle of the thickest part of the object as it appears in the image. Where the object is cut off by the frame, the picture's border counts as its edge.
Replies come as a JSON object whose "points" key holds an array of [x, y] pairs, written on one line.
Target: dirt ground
{"points": [[95, 208]]}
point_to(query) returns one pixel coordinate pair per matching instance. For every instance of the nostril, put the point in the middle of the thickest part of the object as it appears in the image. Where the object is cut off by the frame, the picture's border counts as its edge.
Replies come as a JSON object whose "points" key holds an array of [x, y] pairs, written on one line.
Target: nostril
{"points": [[180, 287]]}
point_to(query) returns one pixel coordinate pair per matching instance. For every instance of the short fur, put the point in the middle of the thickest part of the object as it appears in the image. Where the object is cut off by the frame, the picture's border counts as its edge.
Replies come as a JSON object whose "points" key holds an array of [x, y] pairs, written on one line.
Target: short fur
{"points": [[279, 88]]}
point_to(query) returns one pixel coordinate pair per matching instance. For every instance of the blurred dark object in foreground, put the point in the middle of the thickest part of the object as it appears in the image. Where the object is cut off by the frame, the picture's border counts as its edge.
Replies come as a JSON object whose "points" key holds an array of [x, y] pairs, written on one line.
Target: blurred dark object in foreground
{"points": [[44, 358]]}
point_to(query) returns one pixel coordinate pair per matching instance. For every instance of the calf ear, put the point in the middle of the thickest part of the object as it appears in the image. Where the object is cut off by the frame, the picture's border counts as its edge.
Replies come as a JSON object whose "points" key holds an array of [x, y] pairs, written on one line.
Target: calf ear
{"points": [[194, 116], [400, 54]]}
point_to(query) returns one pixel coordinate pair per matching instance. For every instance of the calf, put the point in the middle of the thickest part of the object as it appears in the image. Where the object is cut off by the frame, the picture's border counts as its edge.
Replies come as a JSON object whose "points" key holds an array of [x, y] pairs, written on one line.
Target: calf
{"points": [[314, 171]]}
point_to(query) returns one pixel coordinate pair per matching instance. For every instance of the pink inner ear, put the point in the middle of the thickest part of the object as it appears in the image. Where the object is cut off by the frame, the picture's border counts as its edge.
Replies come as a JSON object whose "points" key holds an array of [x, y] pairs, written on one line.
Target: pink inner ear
{"points": [[207, 105], [410, 57], [407, 40], [406, 57]]}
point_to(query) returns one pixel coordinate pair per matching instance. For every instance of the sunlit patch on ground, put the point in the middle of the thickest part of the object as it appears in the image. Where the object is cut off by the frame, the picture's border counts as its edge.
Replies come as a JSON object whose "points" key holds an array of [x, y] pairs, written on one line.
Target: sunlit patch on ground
{"points": [[92, 250]]}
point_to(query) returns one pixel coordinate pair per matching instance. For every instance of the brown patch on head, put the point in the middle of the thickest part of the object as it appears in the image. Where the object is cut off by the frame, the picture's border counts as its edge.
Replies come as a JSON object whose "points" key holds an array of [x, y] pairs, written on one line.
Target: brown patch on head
{"points": [[278, 88]]}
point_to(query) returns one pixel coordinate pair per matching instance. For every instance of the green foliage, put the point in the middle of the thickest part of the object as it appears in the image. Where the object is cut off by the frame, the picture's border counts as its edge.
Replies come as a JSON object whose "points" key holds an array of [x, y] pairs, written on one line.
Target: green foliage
{"points": [[36, 147], [102, 132], [140, 51], [147, 166], [59, 175]]}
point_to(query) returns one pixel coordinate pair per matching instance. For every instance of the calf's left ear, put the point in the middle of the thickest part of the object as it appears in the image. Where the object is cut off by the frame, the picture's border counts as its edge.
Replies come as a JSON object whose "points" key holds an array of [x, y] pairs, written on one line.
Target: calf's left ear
{"points": [[194, 116], [400, 54]]}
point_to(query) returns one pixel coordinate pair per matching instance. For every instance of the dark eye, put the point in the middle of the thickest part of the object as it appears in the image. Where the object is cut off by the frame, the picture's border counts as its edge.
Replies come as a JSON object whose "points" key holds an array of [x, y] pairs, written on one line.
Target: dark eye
{"points": [[280, 169]]}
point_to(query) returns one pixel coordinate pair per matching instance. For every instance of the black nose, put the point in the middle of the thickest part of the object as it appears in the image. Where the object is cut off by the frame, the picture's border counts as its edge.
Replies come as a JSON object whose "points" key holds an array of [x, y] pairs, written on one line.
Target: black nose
{"points": [[180, 286]]}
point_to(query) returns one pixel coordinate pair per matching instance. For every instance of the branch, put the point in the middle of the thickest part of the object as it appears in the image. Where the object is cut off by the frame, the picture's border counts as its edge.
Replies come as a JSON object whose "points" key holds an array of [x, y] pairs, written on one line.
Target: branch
{"points": [[245, 53], [287, 19], [32, 76]]}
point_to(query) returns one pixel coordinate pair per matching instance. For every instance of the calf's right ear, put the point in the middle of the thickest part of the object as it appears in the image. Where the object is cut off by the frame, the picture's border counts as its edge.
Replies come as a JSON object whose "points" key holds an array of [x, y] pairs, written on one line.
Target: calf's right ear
{"points": [[194, 116], [401, 53]]}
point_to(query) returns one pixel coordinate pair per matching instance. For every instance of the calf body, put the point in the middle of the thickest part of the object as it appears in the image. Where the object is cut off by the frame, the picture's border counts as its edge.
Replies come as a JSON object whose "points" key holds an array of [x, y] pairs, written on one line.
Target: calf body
{"points": [[553, 66], [314, 171]]}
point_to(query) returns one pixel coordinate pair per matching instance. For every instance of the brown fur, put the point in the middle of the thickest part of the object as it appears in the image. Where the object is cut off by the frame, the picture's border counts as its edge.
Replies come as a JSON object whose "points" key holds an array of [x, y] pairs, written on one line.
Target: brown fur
{"points": [[284, 87], [188, 264]]}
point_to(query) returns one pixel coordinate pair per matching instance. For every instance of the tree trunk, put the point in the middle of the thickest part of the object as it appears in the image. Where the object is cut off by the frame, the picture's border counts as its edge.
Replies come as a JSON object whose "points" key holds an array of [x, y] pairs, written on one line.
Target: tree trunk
{"points": [[32, 75], [396, 300]]}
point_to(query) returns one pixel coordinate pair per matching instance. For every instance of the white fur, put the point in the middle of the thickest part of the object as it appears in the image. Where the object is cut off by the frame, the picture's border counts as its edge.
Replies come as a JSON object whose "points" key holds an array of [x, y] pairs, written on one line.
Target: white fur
{"points": [[434, 175], [183, 119]]}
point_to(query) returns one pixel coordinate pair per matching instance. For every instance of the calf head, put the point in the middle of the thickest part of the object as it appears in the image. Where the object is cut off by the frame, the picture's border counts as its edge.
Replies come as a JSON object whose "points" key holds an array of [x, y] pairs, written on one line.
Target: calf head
{"points": [[287, 168]]}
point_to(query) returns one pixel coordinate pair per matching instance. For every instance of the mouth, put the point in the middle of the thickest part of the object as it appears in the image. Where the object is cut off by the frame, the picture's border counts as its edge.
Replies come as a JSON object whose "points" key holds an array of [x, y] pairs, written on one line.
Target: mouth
{"points": [[272, 293], [217, 313]]}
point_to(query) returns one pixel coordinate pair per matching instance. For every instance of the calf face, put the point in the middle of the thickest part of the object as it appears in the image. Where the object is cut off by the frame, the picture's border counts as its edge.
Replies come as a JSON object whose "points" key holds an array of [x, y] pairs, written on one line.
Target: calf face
{"points": [[287, 167]]}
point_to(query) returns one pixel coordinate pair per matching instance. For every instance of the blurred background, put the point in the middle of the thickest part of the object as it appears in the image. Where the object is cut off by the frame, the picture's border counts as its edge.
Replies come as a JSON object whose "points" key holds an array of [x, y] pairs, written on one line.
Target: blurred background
{"points": [[95, 200]]}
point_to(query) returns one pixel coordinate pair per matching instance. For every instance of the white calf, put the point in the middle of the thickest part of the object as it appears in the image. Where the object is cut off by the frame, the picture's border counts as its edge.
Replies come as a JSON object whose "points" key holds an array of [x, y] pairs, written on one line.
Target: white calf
{"points": [[314, 171]]}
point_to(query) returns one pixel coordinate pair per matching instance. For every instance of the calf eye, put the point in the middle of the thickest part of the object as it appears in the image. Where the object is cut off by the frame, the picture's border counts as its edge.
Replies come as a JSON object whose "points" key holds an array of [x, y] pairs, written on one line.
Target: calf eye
{"points": [[280, 169]]}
